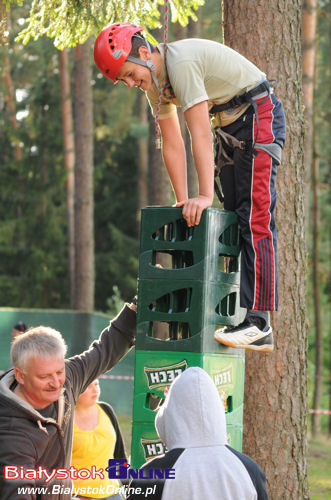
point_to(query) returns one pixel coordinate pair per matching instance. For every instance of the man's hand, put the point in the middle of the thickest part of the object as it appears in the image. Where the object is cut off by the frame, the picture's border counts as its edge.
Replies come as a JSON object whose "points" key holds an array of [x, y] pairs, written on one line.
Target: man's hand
{"points": [[193, 208]]}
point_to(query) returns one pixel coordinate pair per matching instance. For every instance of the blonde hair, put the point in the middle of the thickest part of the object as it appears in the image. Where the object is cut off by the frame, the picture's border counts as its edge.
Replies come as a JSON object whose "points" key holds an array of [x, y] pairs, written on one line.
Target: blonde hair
{"points": [[41, 341]]}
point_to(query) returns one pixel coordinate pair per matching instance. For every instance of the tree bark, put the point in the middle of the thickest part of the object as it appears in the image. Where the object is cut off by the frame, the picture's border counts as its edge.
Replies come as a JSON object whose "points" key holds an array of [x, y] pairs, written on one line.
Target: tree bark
{"points": [[159, 188], [318, 376], [275, 408], [309, 21], [84, 225], [142, 154], [309, 53], [69, 162], [9, 99], [159, 191], [329, 388], [193, 31], [9, 96], [181, 32]]}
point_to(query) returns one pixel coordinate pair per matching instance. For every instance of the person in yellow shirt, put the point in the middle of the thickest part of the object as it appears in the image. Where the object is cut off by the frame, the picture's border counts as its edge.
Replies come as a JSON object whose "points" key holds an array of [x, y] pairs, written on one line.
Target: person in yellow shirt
{"points": [[96, 439]]}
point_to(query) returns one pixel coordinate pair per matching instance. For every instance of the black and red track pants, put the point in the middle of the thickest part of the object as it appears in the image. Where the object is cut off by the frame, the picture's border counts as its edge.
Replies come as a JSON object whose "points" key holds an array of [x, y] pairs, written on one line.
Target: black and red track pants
{"points": [[249, 189]]}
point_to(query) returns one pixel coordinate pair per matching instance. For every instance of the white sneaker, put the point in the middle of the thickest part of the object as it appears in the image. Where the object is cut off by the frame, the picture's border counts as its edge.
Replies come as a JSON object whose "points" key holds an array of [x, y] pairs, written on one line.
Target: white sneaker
{"points": [[247, 335]]}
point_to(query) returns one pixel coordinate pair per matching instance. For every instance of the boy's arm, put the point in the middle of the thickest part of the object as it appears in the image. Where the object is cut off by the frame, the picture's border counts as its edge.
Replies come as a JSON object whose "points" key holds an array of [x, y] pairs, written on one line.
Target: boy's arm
{"points": [[174, 156], [197, 119]]}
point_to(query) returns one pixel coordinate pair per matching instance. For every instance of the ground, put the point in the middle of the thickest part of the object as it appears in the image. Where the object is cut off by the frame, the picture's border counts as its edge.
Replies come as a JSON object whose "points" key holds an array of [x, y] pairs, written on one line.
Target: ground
{"points": [[319, 469]]}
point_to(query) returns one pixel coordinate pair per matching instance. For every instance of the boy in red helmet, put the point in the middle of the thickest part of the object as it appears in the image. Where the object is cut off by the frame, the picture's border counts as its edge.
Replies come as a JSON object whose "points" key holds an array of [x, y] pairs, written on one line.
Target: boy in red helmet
{"points": [[211, 81]]}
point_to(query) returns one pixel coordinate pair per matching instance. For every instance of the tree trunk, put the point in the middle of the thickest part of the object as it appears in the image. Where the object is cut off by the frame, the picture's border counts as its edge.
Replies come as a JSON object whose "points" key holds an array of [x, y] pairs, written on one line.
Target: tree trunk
{"points": [[4, 33], [84, 227], [275, 411], [159, 191], [318, 376], [181, 32], [309, 52], [9, 99], [142, 154], [309, 21], [329, 388], [159, 188], [69, 162], [9, 96], [193, 31]]}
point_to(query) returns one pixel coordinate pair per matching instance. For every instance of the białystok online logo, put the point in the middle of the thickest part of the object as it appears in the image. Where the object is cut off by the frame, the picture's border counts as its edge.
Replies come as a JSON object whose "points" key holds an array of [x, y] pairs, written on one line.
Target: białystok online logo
{"points": [[120, 469]]}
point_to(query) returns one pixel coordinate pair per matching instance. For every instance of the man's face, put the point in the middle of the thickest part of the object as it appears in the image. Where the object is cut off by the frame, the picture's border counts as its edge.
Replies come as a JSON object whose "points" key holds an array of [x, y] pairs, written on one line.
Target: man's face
{"points": [[134, 75], [42, 380]]}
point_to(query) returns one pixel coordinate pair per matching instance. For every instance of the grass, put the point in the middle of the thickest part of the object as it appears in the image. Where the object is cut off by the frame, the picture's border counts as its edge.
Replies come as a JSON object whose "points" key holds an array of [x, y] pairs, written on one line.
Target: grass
{"points": [[319, 461], [319, 469]]}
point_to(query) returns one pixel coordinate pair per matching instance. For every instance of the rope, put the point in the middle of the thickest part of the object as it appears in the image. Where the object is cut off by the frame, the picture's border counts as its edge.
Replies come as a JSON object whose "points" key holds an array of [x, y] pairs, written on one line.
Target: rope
{"points": [[164, 85]]}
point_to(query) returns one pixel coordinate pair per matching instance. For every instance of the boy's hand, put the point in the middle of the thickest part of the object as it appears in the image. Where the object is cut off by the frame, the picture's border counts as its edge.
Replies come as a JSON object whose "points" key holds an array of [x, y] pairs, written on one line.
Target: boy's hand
{"points": [[193, 208]]}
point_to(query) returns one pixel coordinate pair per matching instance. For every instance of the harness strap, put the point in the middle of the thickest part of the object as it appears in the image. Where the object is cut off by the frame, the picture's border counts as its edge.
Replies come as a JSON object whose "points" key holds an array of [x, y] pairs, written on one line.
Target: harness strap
{"points": [[218, 191], [273, 149], [148, 64], [225, 144], [243, 98], [247, 97]]}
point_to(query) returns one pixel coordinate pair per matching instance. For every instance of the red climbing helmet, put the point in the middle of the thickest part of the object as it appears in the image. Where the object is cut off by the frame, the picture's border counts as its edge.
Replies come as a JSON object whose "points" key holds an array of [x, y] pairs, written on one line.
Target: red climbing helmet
{"points": [[112, 48]]}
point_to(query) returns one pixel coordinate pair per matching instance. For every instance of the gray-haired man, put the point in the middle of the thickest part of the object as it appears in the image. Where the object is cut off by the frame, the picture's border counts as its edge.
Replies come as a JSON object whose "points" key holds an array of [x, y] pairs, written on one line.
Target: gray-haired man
{"points": [[37, 400]]}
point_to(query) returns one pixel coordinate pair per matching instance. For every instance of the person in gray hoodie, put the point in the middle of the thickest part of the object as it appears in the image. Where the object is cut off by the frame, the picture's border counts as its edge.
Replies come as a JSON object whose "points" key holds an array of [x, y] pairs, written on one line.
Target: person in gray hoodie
{"points": [[37, 400], [192, 425]]}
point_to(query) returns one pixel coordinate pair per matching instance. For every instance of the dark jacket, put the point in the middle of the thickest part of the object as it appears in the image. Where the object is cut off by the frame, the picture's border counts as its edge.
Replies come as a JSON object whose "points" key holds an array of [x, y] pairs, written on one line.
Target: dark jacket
{"points": [[119, 451], [30, 438]]}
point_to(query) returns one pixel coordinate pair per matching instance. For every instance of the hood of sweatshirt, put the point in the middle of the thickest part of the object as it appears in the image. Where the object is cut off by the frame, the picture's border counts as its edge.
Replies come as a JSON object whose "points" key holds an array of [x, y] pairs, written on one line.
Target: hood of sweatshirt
{"points": [[193, 413]]}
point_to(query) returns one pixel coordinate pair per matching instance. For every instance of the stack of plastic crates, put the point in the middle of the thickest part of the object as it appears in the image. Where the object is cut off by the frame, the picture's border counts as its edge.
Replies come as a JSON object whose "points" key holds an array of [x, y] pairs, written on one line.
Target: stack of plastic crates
{"points": [[188, 286]]}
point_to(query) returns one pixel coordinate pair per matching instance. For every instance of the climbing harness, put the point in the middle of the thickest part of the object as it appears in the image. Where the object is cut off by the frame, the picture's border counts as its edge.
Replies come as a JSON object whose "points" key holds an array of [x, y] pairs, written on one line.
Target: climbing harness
{"points": [[225, 145], [243, 98], [251, 97]]}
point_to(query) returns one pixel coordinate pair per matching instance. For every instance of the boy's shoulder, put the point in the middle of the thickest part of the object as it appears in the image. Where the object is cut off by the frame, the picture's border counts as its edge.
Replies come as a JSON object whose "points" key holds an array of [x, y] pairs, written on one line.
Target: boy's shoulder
{"points": [[192, 46]]}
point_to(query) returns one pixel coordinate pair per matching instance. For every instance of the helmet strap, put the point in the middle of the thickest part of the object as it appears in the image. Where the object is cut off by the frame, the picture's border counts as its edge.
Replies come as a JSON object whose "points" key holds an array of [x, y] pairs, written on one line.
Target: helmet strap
{"points": [[148, 64]]}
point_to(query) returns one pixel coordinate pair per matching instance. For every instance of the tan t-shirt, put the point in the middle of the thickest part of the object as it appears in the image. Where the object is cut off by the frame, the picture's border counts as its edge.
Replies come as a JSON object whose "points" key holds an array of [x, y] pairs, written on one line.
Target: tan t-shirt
{"points": [[203, 70]]}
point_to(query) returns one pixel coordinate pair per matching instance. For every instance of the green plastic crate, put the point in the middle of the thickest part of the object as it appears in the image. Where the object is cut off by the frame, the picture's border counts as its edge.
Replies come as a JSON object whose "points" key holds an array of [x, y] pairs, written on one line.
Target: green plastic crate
{"points": [[235, 436], [183, 314], [207, 252], [146, 444], [155, 371]]}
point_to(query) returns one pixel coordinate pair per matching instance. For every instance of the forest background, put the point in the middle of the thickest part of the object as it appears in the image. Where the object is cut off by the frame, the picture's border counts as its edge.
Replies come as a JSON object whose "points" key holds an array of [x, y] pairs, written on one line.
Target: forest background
{"points": [[37, 190]]}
